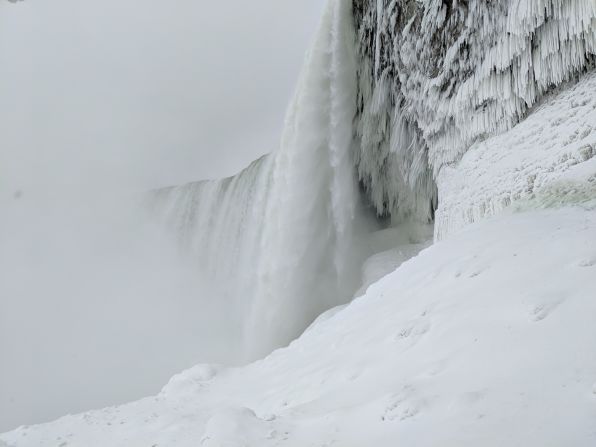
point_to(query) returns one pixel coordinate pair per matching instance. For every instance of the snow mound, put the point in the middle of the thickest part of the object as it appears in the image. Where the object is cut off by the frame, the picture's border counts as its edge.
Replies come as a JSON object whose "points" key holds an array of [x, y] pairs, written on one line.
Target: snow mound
{"points": [[190, 380], [486, 338], [240, 427]]}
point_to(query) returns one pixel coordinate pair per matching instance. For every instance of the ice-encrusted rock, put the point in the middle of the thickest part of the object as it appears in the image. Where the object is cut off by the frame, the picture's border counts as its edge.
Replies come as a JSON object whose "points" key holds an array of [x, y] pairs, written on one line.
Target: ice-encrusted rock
{"points": [[436, 76], [546, 160]]}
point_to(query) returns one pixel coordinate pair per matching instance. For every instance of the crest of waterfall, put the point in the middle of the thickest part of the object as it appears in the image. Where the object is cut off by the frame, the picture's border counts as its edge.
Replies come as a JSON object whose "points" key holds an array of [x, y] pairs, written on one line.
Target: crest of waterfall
{"points": [[281, 235], [451, 72], [220, 223]]}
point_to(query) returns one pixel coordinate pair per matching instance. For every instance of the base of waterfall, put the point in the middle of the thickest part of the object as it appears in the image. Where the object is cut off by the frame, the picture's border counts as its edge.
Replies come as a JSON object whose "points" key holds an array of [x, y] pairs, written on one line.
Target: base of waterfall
{"points": [[486, 338]]}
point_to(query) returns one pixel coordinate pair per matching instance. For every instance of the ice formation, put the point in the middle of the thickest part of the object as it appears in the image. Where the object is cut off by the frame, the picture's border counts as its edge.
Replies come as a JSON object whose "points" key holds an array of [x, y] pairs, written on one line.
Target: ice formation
{"points": [[553, 163], [435, 76], [392, 95]]}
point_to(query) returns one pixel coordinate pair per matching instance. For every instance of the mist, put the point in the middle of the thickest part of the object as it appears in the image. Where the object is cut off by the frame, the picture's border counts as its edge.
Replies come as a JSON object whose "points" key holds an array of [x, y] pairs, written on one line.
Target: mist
{"points": [[101, 101]]}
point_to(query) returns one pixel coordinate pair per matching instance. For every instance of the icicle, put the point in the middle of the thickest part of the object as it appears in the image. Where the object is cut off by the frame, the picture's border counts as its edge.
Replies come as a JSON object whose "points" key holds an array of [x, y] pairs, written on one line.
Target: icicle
{"points": [[458, 75]]}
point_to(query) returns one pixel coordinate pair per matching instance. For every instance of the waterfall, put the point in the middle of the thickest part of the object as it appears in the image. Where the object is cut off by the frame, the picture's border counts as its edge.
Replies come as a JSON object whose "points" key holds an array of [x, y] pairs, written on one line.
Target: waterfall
{"points": [[282, 236]]}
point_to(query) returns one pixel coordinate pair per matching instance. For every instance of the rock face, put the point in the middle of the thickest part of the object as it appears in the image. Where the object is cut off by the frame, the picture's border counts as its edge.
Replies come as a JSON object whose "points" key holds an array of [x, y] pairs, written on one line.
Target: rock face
{"points": [[435, 76]]}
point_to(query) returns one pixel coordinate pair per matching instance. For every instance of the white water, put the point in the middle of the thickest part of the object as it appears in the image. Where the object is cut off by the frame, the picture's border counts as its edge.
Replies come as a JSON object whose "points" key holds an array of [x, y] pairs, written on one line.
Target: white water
{"points": [[282, 237]]}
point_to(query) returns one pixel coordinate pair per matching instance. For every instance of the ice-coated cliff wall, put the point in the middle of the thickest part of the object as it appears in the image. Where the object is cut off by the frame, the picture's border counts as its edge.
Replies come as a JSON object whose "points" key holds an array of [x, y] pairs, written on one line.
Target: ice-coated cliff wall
{"points": [[435, 76]]}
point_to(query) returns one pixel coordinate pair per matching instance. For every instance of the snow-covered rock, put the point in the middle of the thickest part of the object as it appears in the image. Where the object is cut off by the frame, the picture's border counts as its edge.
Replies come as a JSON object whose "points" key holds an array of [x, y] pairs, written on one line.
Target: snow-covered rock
{"points": [[546, 160], [486, 338], [434, 77]]}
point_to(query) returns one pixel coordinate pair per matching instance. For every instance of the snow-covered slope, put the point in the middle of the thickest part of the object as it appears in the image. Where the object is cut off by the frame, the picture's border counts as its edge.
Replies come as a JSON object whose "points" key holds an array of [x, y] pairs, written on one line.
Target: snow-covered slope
{"points": [[484, 339]]}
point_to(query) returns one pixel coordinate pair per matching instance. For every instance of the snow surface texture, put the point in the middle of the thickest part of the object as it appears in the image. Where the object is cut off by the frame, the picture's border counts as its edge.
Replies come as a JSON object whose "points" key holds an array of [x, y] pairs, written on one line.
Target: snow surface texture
{"points": [[435, 76], [546, 160], [484, 339]]}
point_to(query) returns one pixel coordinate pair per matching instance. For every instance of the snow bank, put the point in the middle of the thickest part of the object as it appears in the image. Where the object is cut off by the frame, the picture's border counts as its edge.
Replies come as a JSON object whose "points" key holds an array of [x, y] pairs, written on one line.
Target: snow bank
{"points": [[486, 338]]}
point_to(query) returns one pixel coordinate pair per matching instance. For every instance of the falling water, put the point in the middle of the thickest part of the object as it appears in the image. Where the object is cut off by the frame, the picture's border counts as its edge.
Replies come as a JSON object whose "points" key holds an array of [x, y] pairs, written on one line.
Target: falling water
{"points": [[282, 236]]}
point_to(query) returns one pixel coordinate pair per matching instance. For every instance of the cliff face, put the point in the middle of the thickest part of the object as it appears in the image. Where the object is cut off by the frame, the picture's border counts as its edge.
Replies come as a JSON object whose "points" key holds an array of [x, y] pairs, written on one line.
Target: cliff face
{"points": [[434, 76]]}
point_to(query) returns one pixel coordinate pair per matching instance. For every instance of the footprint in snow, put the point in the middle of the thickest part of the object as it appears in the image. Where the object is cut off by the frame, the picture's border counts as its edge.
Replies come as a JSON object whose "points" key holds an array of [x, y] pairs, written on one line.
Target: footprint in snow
{"points": [[475, 273], [402, 405], [400, 411], [413, 331], [543, 310], [588, 262]]}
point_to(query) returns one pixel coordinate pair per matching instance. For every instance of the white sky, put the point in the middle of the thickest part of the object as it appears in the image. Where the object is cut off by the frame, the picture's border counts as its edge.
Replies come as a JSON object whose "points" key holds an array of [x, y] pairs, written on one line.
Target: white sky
{"points": [[143, 93], [120, 95]]}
